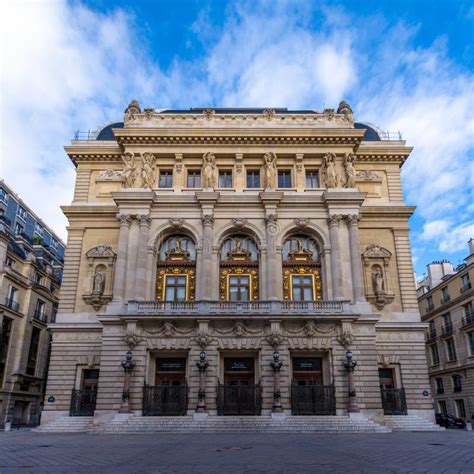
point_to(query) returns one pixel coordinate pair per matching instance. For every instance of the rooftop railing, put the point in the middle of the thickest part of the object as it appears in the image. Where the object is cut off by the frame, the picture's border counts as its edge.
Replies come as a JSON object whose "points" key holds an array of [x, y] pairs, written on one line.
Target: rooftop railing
{"points": [[226, 308], [386, 135]]}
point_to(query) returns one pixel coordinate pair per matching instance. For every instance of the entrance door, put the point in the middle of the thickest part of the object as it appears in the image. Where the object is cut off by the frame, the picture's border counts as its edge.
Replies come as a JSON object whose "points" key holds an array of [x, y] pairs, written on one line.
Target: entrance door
{"points": [[239, 395], [309, 395], [393, 399], [169, 395], [83, 401]]}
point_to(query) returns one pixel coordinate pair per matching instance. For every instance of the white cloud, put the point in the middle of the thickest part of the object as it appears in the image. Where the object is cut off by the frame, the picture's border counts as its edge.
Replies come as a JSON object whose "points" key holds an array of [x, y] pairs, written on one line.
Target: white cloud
{"points": [[449, 237]]}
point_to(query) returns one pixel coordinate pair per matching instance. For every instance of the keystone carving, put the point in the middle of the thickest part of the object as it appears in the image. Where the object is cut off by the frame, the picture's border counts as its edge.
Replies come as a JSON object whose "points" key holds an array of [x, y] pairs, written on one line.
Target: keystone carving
{"points": [[345, 339]]}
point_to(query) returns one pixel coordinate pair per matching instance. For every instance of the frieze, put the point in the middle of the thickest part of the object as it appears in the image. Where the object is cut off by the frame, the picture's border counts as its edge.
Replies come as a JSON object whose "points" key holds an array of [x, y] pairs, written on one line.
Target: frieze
{"points": [[306, 343], [239, 329], [238, 343], [110, 175], [168, 329], [368, 175], [309, 329], [171, 343]]}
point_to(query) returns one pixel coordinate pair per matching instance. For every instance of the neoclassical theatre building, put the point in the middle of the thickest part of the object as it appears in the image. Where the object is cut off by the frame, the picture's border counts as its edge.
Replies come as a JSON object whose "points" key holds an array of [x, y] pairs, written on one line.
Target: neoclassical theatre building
{"points": [[238, 262]]}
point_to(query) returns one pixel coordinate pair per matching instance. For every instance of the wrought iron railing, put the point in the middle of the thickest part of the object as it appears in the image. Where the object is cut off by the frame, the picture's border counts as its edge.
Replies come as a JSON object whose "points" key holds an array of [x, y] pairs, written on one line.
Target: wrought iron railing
{"points": [[394, 401], [12, 304], [40, 315], [239, 399], [313, 400], [447, 329], [183, 308], [83, 402], [468, 319], [165, 400]]}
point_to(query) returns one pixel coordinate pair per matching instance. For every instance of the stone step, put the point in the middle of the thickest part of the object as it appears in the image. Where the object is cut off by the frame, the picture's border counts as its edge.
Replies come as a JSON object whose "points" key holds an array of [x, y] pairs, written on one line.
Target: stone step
{"points": [[410, 423]]}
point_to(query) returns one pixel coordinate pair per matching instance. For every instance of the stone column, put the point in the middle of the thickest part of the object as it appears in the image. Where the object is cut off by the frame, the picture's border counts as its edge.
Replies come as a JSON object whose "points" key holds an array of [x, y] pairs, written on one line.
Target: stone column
{"points": [[272, 257], [140, 281], [206, 258], [276, 367], [121, 262], [356, 265], [335, 256], [131, 275]]}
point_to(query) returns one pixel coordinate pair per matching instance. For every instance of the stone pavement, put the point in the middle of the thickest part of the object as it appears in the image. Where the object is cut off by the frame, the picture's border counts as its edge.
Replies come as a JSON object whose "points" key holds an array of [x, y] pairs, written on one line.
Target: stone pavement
{"points": [[451, 451]]}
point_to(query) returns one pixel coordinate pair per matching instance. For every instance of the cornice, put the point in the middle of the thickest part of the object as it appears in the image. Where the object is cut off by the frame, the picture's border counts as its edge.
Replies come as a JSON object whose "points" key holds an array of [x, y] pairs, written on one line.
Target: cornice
{"points": [[400, 211], [247, 136], [78, 211]]}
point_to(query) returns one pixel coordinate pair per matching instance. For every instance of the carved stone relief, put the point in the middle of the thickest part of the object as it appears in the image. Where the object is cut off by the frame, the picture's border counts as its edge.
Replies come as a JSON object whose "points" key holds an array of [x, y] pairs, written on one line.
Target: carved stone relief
{"points": [[98, 291]]}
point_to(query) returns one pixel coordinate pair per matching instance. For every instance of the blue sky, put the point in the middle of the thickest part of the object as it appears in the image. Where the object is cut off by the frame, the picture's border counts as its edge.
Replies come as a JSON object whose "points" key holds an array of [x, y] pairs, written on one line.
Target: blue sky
{"points": [[402, 65]]}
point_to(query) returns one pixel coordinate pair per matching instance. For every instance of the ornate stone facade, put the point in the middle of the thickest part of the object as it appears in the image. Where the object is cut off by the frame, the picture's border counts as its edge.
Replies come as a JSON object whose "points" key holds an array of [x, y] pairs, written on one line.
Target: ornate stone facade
{"points": [[244, 234]]}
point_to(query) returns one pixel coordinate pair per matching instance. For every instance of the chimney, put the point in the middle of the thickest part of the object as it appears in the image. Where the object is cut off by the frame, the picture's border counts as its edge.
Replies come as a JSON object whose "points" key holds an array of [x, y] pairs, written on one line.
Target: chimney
{"points": [[470, 257]]}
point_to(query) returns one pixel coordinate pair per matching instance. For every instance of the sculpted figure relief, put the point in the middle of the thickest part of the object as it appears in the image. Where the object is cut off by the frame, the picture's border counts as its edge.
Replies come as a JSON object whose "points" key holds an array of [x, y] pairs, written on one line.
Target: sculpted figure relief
{"points": [[271, 173], [148, 170], [330, 178], [377, 281], [350, 170], [209, 171], [99, 282], [132, 109], [129, 170]]}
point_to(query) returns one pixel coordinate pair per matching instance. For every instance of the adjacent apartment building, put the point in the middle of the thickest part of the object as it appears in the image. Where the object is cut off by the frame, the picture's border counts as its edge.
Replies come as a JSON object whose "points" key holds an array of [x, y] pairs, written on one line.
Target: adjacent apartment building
{"points": [[238, 262], [446, 297], [31, 263]]}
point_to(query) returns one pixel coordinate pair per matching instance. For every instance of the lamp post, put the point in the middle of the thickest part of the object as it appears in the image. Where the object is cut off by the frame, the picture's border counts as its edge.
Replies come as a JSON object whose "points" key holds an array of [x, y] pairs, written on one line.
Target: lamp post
{"points": [[202, 365], [350, 365], [276, 366], [128, 365]]}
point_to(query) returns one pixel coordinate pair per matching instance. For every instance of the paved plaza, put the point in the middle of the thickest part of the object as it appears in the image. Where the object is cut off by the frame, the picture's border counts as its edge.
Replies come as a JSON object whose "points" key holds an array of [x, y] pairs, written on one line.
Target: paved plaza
{"points": [[26, 451]]}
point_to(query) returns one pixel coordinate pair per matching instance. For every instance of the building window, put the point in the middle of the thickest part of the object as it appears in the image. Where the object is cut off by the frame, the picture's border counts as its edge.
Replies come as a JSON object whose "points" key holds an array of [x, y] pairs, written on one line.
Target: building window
{"points": [[450, 350], [253, 179], [225, 178], [9, 262], [445, 295], [239, 287], [3, 195], [5, 335], [447, 324], [12, 299], [238, 272], [39, 230], [21, 213], [466, 282], [175, 287], [442, 407], [434, 354], [302, 287], [176, 272], [40, 311], [468, 313], [432, 330], [194, 178], [18, 230], [284, 179], [430, 305], [439, 386], [54, 243], [457, 384], [460, 408], [33, 352], [470, 338], [312, 179], [166, 179]]}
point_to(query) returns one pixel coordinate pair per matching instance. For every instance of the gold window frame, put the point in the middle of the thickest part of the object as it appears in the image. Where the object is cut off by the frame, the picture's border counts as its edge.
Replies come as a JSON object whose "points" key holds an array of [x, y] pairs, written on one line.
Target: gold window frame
{"points": [[226, 273], [163, 273], [291, 271]]}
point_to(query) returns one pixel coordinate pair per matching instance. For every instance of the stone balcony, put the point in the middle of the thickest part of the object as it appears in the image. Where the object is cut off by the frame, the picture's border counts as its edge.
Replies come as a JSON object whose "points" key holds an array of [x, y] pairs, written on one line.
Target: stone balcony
{"points": [[237, 309]]}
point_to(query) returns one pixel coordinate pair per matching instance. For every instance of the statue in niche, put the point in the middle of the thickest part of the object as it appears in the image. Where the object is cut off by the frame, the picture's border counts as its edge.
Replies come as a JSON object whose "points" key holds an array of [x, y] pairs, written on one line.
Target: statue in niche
{"points": [[148, 170], [129, 170], [209, 171], [350, 170], [378, 281], [177, 245], [99, 282], [271, 173], [299, 245], [329, 174]]}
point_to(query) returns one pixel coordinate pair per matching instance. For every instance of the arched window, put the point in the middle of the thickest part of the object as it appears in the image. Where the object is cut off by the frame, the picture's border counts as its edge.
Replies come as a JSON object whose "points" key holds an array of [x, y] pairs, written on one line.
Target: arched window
{"points": [[238, 275], [301, 269], [176, 275]]}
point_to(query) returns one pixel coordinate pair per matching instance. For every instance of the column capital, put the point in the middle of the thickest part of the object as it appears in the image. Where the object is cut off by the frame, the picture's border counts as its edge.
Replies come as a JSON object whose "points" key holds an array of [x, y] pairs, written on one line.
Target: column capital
{"points": [[334, 219], [353, 219], [207, 220], [125, 219], [144, 220]]}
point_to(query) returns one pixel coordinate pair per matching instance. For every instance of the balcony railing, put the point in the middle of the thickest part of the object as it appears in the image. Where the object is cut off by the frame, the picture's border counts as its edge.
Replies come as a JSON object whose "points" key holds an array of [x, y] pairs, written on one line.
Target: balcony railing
{"points": [[429, 307], [445, 299], [12, 304], [447, 329], [234, 308], [468, 319], [431, 335]]}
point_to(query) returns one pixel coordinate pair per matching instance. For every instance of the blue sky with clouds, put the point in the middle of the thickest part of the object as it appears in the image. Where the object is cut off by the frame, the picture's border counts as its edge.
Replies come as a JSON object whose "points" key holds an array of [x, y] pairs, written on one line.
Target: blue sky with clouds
{"points": [[402, 65]]}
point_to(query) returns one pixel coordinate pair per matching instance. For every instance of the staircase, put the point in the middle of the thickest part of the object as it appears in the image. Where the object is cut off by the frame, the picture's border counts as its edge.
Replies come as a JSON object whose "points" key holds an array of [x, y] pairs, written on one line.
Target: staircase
{"points": [[242, 424], [410, 423], [68, 424]]}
